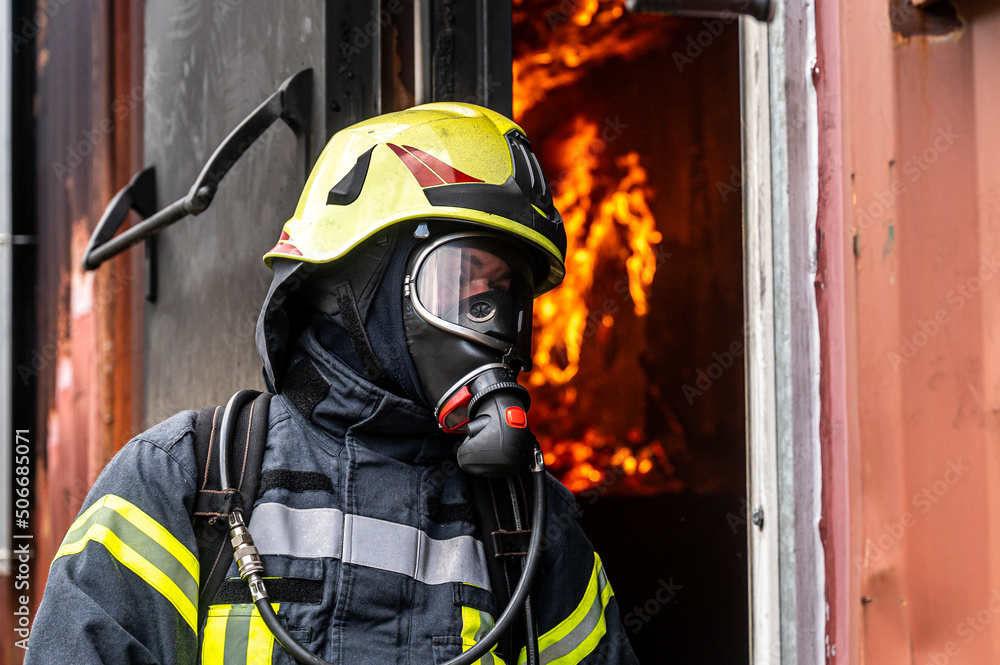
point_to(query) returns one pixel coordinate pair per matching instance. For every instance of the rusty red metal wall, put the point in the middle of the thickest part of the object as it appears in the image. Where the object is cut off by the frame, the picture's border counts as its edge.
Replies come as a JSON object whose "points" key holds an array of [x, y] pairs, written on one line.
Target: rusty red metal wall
{"points": [[910, 221], [88, 115]]}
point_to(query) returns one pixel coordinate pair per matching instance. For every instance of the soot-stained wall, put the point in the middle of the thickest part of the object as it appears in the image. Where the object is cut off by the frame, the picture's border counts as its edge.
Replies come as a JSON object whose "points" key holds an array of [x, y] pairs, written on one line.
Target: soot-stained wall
{"points": [[208, 65]]}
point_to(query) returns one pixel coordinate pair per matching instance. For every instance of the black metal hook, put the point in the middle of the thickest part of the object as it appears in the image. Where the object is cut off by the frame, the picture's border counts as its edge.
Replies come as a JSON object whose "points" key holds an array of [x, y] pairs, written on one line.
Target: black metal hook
{"points": [[291, 102]]}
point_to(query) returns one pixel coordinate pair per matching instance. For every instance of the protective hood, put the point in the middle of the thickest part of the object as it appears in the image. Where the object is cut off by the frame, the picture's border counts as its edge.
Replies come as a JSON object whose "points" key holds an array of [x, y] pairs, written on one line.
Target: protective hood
{"points": [[297, 295], [279, 326]]}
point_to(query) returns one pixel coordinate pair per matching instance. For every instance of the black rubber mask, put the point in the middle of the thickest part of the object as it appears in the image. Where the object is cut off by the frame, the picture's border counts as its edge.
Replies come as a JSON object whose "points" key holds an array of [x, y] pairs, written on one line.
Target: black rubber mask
{"points": [[467, 315]]}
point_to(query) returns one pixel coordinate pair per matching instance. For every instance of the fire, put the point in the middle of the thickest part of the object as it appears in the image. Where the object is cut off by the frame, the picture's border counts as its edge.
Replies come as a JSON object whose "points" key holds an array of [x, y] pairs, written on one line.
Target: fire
{"points": [[592, 233], [584, 32], [581, 462], [562, 313], [606, 215]]}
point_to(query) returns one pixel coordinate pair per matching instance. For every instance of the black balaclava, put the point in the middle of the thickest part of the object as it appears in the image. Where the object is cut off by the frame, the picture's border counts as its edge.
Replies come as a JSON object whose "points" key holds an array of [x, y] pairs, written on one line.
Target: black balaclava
{"points": [[383, 325]]}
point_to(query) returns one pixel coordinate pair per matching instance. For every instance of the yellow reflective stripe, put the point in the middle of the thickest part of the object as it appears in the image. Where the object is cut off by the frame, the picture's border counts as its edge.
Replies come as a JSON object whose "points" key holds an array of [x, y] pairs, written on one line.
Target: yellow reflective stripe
{"points": [[260, 646], [143, 546], [213, 642], [579, 633], [470, 627], [85, 515], [577, 615], [147, 525], [592, 640], [132, 560], [249, 640], [486, 621], [485, 624], [475, 625]]}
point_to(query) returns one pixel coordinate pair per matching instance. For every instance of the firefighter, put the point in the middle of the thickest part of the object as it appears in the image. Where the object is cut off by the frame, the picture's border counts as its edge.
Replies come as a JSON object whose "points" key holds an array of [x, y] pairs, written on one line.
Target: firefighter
{"points": [[405, 277]]}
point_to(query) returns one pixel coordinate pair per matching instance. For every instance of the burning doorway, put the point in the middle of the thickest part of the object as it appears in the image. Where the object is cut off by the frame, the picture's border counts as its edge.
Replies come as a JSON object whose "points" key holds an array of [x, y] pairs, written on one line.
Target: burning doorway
{"points": [[638, 383]]}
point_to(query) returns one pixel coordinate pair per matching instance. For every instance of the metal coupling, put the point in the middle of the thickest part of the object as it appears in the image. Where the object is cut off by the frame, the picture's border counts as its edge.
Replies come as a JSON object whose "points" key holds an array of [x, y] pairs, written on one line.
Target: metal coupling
{"points": [[246, 555], [539, 464]]}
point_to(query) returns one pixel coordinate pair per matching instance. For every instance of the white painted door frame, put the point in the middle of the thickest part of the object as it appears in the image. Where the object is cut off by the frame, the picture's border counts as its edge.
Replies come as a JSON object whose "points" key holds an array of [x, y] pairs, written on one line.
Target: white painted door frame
{"points": [[780, 185]]}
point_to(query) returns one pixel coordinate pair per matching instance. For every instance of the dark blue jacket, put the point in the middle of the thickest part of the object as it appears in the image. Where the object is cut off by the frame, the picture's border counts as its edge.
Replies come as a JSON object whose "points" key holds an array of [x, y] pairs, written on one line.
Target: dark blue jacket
{"points": [[360, 562]]}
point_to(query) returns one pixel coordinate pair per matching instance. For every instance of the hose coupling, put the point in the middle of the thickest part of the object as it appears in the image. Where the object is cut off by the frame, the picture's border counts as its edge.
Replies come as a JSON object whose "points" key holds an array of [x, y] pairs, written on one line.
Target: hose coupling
{"points": [[539, 464], [246, 555]]}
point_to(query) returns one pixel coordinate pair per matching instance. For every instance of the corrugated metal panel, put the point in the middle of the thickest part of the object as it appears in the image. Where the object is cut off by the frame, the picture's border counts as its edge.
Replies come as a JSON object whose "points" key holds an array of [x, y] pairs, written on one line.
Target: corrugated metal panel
{"points": [[81, 358], [920, 307]]}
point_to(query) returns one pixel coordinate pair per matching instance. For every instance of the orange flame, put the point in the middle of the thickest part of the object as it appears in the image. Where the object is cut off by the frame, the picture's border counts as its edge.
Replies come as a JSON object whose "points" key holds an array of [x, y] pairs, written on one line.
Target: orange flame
{"points": [[585, 32], [606, 216], [595, 452], [562, 314]]}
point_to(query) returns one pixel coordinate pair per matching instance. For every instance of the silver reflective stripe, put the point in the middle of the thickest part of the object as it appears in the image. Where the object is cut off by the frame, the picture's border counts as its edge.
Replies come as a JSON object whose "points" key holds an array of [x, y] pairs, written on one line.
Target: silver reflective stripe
{"points": [[407, 550], [593, 620], [364, 541], [278, 529]]}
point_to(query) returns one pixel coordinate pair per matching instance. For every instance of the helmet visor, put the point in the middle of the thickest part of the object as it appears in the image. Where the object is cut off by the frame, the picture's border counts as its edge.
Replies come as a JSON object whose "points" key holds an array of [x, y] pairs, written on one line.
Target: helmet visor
{"points": [[482, 285]]}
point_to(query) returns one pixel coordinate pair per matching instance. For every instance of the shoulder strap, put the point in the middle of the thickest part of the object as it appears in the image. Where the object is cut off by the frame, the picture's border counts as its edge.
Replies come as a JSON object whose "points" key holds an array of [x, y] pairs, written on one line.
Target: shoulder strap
{"points": [[209, 518], [505, 547]]}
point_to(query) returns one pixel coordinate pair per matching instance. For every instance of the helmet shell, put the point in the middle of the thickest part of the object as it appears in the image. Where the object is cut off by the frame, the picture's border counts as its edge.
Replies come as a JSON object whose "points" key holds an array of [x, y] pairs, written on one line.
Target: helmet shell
{"points": [[448, 161]]}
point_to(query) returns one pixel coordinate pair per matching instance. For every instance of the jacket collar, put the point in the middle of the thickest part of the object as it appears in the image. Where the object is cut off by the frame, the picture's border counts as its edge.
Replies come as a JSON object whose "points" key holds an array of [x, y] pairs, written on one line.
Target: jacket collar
{"points": [[383, 422]]}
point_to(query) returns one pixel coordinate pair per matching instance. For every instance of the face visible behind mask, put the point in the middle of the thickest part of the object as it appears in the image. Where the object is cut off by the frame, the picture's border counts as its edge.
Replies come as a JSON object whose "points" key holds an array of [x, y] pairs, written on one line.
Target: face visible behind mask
{"points": [[467, 301]]}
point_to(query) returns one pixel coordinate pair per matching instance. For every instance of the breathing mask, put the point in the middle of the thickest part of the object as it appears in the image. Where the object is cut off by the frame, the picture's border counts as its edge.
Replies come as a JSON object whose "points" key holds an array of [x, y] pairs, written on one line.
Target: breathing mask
{"points": [[467, 315]]}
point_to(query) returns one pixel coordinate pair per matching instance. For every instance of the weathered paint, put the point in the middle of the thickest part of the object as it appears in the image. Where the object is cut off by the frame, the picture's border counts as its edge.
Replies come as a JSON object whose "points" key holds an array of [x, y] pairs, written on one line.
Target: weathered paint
{"points": [[88, 56], [70, 185], [834, 247], [781, 133], [909, 315]]}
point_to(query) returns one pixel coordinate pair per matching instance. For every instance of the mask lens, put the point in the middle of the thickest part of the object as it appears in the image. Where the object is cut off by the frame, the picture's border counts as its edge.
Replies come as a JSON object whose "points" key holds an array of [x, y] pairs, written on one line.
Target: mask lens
{"points": [[481, 284]]}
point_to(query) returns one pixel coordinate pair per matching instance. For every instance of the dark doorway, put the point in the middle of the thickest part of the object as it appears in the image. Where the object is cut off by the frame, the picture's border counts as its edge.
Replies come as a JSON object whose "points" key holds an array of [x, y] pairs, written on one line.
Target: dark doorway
{"points": [[638, 384]]}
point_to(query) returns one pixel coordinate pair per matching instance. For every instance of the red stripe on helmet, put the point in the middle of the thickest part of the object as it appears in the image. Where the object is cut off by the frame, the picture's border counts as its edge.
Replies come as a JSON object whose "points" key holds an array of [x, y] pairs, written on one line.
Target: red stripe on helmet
{"points": [[425, 177], [285, 248], [447, 172]]}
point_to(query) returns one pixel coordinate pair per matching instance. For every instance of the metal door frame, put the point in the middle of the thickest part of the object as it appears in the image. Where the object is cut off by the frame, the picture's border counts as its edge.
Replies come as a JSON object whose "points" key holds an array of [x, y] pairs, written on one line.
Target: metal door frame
{"points": [[780, 184]]}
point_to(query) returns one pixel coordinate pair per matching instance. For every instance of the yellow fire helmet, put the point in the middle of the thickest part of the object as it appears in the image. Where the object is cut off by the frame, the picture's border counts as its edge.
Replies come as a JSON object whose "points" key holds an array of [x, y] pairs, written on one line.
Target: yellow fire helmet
{"points": [[447, 161]]}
